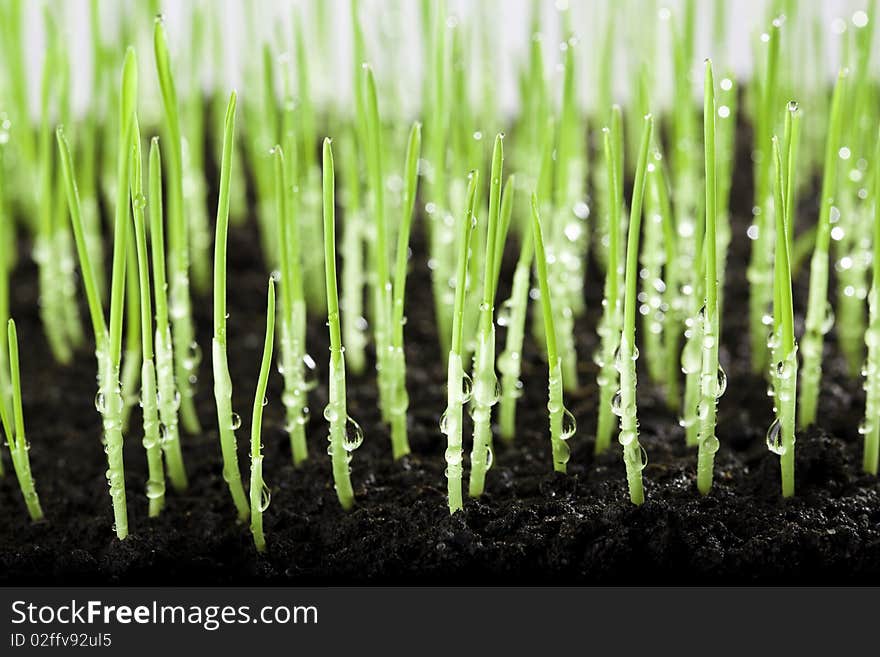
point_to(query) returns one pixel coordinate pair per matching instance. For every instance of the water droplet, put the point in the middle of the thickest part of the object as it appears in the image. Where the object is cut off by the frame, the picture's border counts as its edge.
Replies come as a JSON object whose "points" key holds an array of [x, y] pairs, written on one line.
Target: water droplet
{"points": [[265, 497], [100, 402], [155, 489], [330, 413], [774, 438], [626, 437], [722, 382], [569, 424], [235, 424], [828, 320], [467, 388], [444, 423], [581, 210], [354, 435], [193, 357], [616, 404], [710, 444], [505, 312]]}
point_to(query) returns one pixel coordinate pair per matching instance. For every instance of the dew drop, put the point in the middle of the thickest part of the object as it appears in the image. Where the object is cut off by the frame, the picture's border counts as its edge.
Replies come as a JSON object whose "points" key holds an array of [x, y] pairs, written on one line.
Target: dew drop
{"points": [[626, 437], [504, 313], [354, 435], [155, 489], [710, 445], [467, 388], [828, 320], [453, 456], [581, 210], [722, 382], [569, 424], [265, 497], [774, 438], [617, 404], [236, 422]]}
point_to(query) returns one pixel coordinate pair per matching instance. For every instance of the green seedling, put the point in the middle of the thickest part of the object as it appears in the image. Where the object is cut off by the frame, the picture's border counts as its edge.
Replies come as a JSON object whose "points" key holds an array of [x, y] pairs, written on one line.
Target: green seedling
{"points": [[259, 493], [609, 326], [713, 381], [458, 383], [819, 317], [187, 354], [562, 423], [149, 397], [624, 403], [345, 434], [14, 430], [228, 421]]}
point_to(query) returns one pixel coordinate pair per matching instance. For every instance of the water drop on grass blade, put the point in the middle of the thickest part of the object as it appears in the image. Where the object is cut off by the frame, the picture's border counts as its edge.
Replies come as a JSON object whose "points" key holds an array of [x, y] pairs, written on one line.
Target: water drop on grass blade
{"points": [[774, 438], [354, 435], [616, 404], [722, 382], [569, 424], [265, 497], [155, 489]]}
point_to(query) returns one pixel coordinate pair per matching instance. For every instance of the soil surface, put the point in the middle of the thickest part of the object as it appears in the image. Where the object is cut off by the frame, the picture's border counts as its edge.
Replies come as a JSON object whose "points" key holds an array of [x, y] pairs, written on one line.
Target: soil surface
{"points": [[531, 526]]}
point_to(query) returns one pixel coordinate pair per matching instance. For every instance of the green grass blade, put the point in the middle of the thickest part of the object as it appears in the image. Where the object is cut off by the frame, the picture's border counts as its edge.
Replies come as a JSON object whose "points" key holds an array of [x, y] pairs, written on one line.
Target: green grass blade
{"points": [[227, 421], [259, 492]]}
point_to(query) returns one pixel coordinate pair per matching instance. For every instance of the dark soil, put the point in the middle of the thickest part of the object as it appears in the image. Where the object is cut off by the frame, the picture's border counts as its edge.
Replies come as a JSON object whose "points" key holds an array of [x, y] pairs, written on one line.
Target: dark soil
{"points": [[531, 526]]}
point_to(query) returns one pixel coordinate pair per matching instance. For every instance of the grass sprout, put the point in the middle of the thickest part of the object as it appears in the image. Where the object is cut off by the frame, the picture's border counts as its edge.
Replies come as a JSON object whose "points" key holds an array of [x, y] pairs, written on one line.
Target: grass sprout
{"points": [[149, 398], [259, 492], [458, 383], [609, 326], [293, 315], [168, 396], [486, 388], [624, 404], [780, 435], [870, 428], [109, 400], [14, 430], [228, 421], [820, 318], [562, 423], [186, 351], [345, 434], [713, 381], [399, 399]]}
